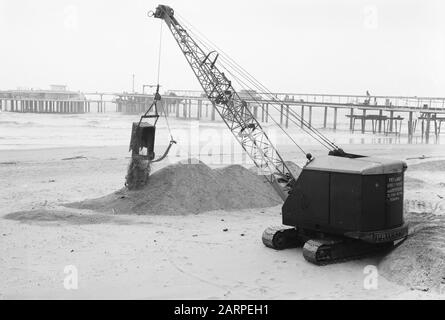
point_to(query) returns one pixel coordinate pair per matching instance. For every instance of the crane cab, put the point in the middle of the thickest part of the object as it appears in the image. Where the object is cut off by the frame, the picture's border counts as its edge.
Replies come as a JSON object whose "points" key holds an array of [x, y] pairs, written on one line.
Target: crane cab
{"points": [[360, 198]]}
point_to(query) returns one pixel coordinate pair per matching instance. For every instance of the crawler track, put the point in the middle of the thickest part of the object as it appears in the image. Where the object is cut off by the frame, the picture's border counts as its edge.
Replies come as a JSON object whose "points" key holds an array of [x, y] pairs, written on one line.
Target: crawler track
{"points": [[280, 238], [329, 251]]}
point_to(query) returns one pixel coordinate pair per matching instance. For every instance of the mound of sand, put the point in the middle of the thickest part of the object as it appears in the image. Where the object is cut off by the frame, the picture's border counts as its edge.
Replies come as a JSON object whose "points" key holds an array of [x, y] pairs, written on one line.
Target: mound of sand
{"points": [[189, 188], [419, 262]]}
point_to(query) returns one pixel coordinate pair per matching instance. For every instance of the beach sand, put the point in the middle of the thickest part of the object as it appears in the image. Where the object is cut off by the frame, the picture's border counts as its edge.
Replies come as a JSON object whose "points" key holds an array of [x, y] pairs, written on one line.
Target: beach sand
{"points": [[215, 254], [47, 161]]}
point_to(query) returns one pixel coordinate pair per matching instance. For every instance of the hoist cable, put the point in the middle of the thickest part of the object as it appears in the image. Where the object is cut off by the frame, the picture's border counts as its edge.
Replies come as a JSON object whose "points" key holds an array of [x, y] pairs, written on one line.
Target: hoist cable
{"points": [[158, 78], [242, 84], [159, 53], [240, 70], [317, 138], [290, 119], [168, 126], [285, 132]]}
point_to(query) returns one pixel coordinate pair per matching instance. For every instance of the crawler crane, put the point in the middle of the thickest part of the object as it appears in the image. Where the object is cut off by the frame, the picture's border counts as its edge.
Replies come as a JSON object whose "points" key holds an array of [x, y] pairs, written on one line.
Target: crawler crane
{"points": [[341, 206]]}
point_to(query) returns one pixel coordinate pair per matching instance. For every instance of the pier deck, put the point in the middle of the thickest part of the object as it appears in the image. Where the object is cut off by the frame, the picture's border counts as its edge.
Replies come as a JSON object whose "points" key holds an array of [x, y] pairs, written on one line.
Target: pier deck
{"points": [[385, 113]]}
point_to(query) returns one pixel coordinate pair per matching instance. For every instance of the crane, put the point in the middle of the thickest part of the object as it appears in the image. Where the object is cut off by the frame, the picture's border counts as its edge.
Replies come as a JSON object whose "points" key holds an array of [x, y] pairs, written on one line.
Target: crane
{"points": [[314, 210], [232, 109]]}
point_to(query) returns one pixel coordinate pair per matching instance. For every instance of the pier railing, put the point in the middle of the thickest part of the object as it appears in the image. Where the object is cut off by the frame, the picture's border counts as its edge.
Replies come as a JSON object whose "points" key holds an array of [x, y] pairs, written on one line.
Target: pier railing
{"points": [[434, 103]]}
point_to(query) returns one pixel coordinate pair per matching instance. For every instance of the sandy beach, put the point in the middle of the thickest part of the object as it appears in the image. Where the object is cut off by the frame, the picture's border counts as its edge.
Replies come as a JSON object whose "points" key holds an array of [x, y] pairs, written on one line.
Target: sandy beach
{"points": [[143, 156], [168, 257]]}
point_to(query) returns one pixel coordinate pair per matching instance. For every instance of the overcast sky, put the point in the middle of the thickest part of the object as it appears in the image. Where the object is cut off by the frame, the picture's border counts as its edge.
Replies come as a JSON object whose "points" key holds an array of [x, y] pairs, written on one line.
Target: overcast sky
{"points": [[325, 46]]}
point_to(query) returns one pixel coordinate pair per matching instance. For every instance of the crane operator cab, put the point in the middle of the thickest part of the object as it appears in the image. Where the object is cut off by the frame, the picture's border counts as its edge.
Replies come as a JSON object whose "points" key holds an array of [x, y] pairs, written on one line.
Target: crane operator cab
{"points": [[342, 207]]}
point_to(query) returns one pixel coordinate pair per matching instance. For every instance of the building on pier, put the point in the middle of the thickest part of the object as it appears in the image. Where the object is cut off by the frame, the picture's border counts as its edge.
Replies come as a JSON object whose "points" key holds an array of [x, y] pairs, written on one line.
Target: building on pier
{"points": [[56, 99], [56, 92]]}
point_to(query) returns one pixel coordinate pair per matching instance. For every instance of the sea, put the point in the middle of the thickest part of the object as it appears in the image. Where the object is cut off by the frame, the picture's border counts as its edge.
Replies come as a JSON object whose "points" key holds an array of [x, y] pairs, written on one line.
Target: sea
{"points": [[42, 130]]}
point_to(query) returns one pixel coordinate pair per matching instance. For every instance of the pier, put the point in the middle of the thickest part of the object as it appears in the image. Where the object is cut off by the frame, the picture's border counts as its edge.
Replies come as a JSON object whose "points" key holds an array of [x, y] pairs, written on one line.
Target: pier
{"points": [[374, 114], [54, 100]]}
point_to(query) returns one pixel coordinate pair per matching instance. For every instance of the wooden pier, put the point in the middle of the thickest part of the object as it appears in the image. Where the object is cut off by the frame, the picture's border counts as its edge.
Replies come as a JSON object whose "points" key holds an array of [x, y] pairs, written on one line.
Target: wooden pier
{"points": [[386, 114], [45, 106], [374, 114], [44, 101]]}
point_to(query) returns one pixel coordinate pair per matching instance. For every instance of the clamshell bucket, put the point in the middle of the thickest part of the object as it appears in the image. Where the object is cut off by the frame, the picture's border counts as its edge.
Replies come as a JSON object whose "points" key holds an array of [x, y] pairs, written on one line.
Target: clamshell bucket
{"points": [[143, 136], [142, 144]]}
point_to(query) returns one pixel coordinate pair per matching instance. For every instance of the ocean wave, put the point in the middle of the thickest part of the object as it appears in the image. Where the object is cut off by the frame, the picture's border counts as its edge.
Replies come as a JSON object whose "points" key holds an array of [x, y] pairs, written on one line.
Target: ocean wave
{"points": [[21, 124], [10, 122]]}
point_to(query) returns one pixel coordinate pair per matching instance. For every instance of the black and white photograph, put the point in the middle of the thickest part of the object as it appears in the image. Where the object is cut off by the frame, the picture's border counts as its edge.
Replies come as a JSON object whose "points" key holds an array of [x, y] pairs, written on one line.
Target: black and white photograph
{"points": [[235, 150]]}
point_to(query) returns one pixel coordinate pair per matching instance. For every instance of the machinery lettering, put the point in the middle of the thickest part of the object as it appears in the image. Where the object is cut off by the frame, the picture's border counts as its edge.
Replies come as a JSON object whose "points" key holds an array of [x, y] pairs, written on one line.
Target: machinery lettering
{"points": [[394, 188]]}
